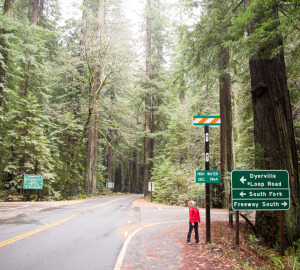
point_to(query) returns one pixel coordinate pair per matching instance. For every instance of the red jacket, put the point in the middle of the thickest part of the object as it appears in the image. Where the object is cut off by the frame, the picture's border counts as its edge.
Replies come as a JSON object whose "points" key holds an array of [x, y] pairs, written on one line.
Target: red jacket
{"points": [[194, 215]]}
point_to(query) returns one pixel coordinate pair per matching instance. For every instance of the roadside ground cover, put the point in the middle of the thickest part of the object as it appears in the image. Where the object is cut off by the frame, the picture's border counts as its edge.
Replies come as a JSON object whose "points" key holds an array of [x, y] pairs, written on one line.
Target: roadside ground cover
{"points": [[222, 253]]}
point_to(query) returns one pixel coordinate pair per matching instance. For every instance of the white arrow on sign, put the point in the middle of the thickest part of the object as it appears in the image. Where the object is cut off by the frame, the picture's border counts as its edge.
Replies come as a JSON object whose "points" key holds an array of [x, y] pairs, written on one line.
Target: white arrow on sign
{"points": [[243, 180], [284, 204], [242, 194]]}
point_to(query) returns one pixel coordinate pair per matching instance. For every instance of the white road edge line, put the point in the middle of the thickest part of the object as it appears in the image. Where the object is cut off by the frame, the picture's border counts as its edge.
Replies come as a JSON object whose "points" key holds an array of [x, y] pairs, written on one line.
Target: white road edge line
{"points": [[126, 243]]}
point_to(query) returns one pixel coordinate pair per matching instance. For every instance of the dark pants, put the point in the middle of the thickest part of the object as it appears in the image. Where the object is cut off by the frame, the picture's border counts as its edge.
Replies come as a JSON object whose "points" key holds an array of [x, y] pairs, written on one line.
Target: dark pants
{"points": [[195, 227]]}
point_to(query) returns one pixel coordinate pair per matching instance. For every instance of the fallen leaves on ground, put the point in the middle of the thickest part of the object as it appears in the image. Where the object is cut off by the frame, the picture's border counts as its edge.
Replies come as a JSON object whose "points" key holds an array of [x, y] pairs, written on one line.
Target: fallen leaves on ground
{"points": [[222, 253]]}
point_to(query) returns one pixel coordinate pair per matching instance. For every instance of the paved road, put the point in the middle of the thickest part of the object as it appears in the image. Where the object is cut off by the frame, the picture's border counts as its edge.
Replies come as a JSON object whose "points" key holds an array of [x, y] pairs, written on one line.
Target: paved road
{"points": [[157, 234], [86, 235], [104, 234]]}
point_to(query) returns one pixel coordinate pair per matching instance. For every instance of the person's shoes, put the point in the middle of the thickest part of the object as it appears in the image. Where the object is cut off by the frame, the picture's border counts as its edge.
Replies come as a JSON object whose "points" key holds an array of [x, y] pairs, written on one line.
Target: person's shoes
{"points": [[197, 243], [189, 242]]}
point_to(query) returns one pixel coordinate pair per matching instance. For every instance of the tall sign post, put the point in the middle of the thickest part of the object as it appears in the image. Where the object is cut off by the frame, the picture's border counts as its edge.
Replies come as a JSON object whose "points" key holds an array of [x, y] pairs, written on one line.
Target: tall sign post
{"points": [[207, 121], [262, 190], [207, 186]]}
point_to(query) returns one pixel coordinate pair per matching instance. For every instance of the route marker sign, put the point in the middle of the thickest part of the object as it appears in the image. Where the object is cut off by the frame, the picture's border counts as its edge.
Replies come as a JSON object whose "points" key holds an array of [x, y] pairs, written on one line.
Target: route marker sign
{"points": [[260, 190], [206, 121], [207, 176], [33, 181]]}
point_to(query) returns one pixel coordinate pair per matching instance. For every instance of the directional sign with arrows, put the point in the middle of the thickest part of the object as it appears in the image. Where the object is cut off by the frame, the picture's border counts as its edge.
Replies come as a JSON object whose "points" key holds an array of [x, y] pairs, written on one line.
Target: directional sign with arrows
{"points": [[260, 190]]}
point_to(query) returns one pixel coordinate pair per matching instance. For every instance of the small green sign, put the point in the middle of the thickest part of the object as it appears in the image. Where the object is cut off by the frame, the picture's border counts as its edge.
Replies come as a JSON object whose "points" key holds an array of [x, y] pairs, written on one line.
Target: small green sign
{"points": [[260, 190], [207, 176], [33, 181]]}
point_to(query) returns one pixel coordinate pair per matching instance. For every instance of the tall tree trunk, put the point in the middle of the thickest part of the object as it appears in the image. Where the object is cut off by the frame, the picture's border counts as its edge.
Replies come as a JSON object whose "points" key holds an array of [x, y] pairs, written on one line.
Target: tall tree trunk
{"points": [[274, 132], [226, 126], [35, 12], [9, 8], [134, 171], [34, 20], [91, 173], [118, 178], [148, 122], [110, 135]]}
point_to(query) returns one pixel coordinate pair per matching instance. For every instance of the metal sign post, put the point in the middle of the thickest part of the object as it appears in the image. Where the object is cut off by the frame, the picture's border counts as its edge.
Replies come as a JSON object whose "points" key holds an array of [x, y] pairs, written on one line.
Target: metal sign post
{"points": [[207, 186], [209, 176]]}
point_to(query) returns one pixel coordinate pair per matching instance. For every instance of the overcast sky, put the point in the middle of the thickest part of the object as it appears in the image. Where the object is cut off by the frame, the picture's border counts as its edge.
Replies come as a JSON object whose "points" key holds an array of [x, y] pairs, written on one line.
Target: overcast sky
{"points": [[132, 8]]}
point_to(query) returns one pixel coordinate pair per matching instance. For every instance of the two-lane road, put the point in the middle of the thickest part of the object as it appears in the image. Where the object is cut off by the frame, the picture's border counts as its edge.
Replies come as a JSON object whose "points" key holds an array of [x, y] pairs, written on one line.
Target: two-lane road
{"points": [[79, 236]]}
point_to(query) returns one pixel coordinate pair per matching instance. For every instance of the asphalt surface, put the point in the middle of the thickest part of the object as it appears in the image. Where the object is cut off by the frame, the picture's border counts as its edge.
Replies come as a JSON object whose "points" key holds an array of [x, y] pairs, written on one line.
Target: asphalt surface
{"points": [[159, 236], [79, 236], [121, 232]]}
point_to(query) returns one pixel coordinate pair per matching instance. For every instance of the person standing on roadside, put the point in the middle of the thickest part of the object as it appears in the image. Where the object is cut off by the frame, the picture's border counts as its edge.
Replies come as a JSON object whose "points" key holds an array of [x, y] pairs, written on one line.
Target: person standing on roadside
{"points": [[193, 222]]}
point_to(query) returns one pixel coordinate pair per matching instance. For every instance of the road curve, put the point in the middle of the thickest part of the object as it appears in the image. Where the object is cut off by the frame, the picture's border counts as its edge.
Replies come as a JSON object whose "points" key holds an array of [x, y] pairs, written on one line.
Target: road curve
{"points": [[79, 236]]}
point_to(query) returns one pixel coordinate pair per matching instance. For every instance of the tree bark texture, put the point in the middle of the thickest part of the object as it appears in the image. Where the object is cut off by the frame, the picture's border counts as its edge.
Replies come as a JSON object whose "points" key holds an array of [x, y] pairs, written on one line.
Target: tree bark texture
{"points": [[110, 135], [226, 124], [9, 8], [118, 178], [93, 133], [133, 186], [148, 97], [35, 12], [274, 132]]}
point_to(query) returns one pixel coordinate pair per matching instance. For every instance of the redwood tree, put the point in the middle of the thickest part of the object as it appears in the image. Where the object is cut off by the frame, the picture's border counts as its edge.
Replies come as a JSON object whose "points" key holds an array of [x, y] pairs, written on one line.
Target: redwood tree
{"points": [[93, 133], [273, 123], [9, 7], [148, 103], [226, 126], [35, 11]]}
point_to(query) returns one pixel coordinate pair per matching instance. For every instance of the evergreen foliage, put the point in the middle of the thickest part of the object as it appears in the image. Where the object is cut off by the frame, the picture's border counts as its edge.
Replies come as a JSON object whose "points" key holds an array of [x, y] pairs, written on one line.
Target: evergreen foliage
{"points": [[48, 76]]}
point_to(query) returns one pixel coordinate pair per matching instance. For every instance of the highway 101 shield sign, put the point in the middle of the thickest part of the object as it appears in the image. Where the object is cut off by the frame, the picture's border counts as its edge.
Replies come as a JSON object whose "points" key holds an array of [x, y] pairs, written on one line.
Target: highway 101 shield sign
{"points": [[260, 190]]}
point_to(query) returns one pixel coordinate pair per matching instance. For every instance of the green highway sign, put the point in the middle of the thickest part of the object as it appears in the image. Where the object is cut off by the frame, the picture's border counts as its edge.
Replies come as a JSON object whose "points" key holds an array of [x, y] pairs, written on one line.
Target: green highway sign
{"points": [[207, 176], [260, 190], [207, 121], [33, 181]]}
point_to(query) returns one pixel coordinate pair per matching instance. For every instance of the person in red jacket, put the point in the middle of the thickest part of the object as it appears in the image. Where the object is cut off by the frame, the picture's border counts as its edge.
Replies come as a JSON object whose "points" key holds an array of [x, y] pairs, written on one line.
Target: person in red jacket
{"points": [[193, 222]]}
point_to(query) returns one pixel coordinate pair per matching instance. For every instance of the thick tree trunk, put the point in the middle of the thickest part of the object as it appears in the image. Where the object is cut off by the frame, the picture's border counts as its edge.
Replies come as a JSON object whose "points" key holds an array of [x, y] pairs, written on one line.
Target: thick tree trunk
{"points": [[274, 133], [126, 173], [133, 187], [91, 170], [226, 126], [35, 12], [118, 178], [274, 138], [110, 135], [9, 8], [91, 173], [148, 122]]}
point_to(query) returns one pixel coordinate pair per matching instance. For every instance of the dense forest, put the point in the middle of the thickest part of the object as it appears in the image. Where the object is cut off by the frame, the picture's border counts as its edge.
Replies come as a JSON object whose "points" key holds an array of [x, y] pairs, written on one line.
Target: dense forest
{"points": [[88, 101]]}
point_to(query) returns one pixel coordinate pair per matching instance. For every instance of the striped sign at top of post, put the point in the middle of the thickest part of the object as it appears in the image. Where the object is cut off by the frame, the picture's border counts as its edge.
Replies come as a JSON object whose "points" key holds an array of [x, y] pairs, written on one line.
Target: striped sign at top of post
{"points": [[206, 121]]}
